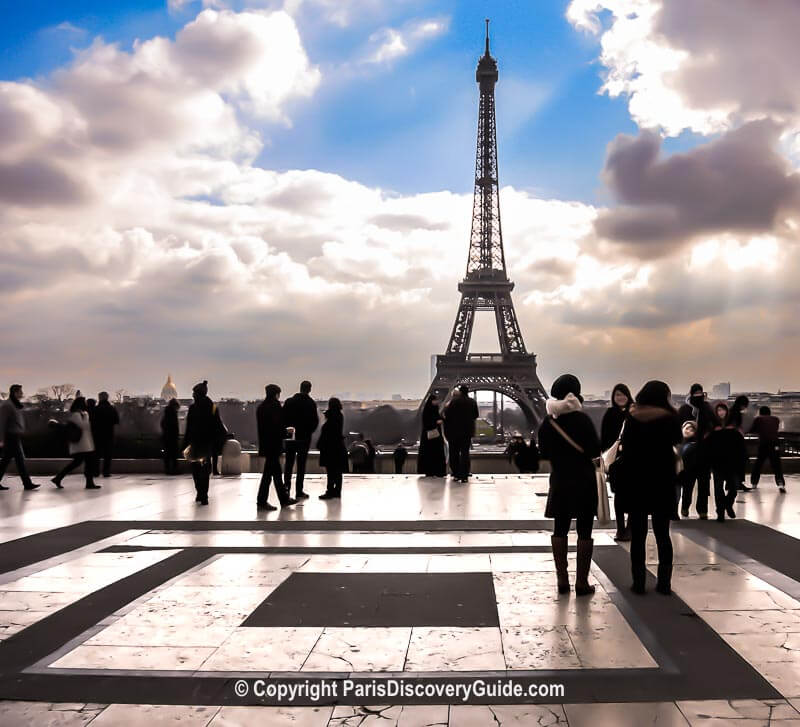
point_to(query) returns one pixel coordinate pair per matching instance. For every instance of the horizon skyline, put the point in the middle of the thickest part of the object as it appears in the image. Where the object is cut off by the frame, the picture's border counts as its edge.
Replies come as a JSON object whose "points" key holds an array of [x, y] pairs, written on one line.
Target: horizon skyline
{"points": [[168, 197]]}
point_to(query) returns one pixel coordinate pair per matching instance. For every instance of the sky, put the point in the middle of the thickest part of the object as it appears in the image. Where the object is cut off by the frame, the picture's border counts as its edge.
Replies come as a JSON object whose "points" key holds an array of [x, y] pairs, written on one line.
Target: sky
{"points": [[254, 191]]}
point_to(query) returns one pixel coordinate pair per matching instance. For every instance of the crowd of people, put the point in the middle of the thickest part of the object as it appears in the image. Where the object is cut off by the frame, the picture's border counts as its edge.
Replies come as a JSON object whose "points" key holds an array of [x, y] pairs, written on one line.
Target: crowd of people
{"points": [[659, 461]]}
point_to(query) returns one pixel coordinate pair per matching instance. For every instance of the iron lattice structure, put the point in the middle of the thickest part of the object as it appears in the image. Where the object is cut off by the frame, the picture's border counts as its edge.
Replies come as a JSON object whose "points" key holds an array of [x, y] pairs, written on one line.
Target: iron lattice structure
{"points": [[486, 286]]}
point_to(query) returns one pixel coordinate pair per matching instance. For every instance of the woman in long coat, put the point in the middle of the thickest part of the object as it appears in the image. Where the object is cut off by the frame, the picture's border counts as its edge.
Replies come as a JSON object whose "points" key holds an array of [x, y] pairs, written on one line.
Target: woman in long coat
{"points": [[332, 452], [648, 476], [202, 429], [610, 428], [573, 483], [431, 460], [170, 436], [82, 451]]}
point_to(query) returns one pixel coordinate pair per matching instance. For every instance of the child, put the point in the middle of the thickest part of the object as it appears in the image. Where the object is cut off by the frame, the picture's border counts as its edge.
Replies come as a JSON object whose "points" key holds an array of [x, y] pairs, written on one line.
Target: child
{"points": [[688, 452]]}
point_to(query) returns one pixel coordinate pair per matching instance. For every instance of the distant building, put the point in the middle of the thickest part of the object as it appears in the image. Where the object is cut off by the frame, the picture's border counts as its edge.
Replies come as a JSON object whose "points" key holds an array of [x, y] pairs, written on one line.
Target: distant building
{"points": [[397, 397], [721, 391], [169, 391]]}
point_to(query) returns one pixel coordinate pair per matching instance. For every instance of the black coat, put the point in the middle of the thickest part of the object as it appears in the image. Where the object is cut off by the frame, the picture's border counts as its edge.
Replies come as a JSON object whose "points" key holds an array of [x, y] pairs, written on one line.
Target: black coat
{"points": [[203, 425], [646, 463], [611, 426], [573, 483], [459, 418], [430, 460], [727, 452], [703, 416], [104, 419], [332, 452], [271, 427], [170, 431], [300, 412]]}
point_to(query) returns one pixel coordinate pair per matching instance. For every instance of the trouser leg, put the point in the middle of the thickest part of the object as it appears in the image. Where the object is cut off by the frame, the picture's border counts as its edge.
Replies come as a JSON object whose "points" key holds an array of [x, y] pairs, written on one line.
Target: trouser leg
{"points": [[89, 466], [638, 522], [274, 462], [687, 479], [619, 515], [775, 463], [288, 463], [108, 450], [455, 453], [664, 546], [302, 458], [14, 451], [74, 463], [465, 461], [201, 472], [720, 496], [703, 489], [761, 455]]}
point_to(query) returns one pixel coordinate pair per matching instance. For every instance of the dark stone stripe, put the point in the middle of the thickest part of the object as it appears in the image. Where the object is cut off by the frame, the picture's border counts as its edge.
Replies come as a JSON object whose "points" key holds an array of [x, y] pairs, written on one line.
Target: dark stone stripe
{"points": [[44, 637]]}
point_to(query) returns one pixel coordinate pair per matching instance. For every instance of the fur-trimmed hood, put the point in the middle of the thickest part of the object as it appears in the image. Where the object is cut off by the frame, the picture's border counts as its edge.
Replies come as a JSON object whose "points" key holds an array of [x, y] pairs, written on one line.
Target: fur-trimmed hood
{"points": [[645, 413], [556, 407]]}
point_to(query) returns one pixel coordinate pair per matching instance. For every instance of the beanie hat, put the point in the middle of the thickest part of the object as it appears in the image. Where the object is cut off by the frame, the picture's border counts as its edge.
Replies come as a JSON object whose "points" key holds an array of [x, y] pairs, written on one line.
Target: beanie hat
{"points": [[201, 388], [566, 384]]}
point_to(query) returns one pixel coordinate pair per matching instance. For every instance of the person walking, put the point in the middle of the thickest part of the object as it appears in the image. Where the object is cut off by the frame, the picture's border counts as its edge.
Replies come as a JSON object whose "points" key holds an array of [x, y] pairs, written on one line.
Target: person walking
{"points": [[300, 414], [648, 475], [567, 438], [431, 460], [12, 427], [202, 427], [271, 434], [104, 421], [399, 456], [82, 450], [728, 460], [766, 426], [735, 419], [460, 416], [698, 410], [332, 451], [610, 429], [688, 453], [170, 436]]}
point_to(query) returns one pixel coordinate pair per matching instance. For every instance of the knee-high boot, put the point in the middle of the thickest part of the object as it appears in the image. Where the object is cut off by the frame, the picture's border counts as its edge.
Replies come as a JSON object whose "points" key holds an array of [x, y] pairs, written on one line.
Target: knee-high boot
{"points": [[559, 546], [585, 548]]}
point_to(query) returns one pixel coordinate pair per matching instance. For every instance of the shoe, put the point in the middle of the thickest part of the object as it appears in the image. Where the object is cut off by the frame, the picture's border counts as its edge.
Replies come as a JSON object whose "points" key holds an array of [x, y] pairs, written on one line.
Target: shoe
{"points": [[265, 506], [204, 501], [703, 516], [622, 537], [93, 487], [3, 487], [301, 496], [781, 489], [106, 475], [638, 589], [57, 483], [721, 518], [684, 512], [584, 562], [29, 486], [327, 496], [674, 516], [664, 589], [754, 485], [290, 501], [744, 488], [731, 512], [559, 546]]}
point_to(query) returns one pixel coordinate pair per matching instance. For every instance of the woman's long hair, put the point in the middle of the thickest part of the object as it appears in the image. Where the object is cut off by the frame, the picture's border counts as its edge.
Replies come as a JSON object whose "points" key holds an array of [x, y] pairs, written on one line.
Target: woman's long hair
{"points": [[78, 405], [656, 393], [334, 406], [625, 390]]}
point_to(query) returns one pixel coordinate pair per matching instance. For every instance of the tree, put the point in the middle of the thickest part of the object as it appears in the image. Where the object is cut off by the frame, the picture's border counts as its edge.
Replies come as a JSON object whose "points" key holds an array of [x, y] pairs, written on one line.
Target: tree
{"points": [[62, 391]]}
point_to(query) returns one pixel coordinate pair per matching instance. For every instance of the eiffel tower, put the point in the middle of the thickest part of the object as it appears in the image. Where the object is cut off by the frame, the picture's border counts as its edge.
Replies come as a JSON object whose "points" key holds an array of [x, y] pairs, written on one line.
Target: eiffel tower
{"points": [[486, 286]]}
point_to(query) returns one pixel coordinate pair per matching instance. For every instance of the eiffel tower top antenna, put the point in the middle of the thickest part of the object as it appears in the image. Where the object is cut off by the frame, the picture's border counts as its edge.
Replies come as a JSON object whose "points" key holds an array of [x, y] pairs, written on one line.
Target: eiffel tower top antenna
{"points": [[487, 36]]}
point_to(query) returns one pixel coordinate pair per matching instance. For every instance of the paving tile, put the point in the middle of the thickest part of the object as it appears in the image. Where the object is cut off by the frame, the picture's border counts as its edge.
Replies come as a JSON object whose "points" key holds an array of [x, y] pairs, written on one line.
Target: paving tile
{"points": [[462, 715], [134, 657], [397, 716], [739, 712], [147, 715], [453, 649], [264, 649], [284, 716], [359, 650], [663, 714], [539, 648], [46, 714]]}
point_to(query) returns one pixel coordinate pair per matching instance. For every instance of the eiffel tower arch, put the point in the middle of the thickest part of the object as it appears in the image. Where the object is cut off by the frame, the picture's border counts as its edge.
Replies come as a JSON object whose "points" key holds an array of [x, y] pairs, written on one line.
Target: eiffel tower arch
{"points": [[486, 286]]}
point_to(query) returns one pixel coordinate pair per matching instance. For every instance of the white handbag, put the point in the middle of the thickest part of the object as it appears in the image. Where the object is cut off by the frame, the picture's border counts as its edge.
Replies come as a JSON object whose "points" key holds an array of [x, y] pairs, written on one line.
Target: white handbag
{"points": [[433, 434], [610, 455]]}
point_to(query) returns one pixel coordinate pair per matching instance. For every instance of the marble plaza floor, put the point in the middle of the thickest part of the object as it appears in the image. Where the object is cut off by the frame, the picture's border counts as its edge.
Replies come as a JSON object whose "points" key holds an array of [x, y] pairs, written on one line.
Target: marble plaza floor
{"points": [[133, 605]]}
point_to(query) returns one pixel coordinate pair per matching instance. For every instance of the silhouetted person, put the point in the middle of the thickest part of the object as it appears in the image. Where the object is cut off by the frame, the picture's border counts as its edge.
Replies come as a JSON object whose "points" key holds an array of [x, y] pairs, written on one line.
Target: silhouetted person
{"points": [[12, 427], [766, 427], [567, 438], [698, 410], [372, 455], [736, 420], [359, 455], [524, 456], [170, 436], [459, 428], [648, 476], [82, 451], [399, 456], [430, 459], [332, 452], [202, 428], [300, 414], [688, 453], [104, 419], [610, 428], [726, 448], [271, 433]]}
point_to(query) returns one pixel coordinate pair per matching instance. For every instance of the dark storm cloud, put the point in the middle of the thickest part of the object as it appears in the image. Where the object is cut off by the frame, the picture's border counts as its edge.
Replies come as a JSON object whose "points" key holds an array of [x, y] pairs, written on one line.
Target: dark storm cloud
{"points": [[737, 183]]}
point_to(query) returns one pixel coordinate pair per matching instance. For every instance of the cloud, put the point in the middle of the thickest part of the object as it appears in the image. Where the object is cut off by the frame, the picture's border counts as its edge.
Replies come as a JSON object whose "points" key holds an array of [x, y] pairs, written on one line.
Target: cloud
{"points": [[389, 44], [705, 66], [737, 183]]}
